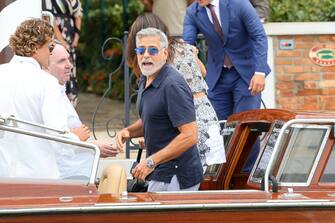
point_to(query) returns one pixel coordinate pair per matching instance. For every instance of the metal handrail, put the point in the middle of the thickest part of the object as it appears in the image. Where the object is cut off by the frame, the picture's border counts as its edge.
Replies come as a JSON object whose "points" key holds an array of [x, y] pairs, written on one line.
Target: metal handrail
{"points": [[280, 138], [6, 119], [58, 138]]}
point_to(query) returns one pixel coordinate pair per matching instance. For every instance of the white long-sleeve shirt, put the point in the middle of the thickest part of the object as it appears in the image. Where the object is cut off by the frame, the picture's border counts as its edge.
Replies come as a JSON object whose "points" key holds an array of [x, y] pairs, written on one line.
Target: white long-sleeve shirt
{"points": [[73, 161], [31, 94]]}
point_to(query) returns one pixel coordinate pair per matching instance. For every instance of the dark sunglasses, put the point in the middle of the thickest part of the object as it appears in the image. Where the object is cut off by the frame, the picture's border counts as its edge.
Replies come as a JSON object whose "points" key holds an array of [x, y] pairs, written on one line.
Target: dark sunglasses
{"points": [[51, 46], [151, 50]]}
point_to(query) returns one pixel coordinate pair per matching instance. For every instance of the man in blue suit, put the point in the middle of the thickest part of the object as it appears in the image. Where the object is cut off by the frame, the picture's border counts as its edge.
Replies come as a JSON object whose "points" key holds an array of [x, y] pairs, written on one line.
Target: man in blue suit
{"points": [[237, 54]]}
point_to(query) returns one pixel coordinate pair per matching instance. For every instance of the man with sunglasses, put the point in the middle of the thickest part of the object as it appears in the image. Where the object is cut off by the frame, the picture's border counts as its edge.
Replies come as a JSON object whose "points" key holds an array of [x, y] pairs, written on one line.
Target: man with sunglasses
{"points": [[31, 94], [167, 120]]}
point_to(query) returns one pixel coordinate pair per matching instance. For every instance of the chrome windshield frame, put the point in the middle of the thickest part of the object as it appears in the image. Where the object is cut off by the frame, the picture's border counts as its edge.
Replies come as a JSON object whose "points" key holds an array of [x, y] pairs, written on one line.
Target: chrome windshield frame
{"points": [[280, 138], [60, 136], [315, 161]]}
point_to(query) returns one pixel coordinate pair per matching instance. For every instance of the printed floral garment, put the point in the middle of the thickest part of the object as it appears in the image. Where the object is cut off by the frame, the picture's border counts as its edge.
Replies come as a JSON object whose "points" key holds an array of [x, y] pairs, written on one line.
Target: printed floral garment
{"points": [[210, 141], [65, 12]]}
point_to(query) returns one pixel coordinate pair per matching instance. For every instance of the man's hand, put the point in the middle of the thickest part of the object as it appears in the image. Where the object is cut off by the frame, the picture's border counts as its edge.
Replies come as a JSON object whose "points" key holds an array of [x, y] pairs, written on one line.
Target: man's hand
{"points": [[257, 84], [106, 149], [141, 171], [121, 138], [83, 132], [141, 143]]}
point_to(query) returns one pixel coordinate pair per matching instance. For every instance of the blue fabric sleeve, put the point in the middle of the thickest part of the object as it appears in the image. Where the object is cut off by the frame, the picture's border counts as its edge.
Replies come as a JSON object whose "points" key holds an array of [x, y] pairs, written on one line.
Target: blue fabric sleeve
{"points": [[190, 29]]}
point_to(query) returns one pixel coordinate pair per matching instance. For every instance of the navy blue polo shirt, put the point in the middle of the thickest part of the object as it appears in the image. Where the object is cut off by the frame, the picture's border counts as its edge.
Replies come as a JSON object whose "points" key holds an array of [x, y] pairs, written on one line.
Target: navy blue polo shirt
{"points": [[164, 105]]}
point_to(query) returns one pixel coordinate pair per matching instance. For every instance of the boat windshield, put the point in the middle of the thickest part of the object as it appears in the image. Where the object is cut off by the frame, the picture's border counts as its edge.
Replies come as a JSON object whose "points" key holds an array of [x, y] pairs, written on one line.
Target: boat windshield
{"points": [[328, 175], [305, 144], [258, 172], [35, 153], [227, 130]]}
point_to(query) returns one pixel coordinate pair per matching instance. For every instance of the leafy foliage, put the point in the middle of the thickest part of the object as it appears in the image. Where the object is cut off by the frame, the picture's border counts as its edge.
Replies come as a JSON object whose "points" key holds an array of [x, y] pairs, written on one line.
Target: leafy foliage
{"points": [[103, 19], [302, 10]]}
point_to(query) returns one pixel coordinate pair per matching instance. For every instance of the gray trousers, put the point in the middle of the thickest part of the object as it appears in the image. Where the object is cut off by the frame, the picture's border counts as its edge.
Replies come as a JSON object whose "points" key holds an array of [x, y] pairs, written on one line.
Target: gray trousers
{"points": [[156, 186]]}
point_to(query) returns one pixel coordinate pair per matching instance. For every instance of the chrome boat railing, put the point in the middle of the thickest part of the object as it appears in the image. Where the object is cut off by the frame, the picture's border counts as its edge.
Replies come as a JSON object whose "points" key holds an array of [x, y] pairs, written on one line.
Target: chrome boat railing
{"points": [[59, 136]]}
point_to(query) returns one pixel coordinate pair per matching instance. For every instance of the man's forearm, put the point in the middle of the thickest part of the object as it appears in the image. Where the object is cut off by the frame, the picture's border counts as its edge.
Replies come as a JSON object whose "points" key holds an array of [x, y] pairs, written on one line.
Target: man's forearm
{"points": [[184, 141], [190, 30], [135, 129]]}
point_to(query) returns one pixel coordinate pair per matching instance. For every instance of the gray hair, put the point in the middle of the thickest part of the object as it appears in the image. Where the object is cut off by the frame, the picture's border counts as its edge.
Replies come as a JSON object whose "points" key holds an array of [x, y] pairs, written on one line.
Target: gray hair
{"points": [[152, 32]]}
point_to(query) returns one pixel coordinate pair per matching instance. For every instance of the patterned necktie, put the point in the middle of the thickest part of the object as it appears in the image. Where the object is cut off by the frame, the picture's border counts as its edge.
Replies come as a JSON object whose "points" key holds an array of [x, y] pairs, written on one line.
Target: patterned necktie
{"points": [[216, 23], [226, 61]]}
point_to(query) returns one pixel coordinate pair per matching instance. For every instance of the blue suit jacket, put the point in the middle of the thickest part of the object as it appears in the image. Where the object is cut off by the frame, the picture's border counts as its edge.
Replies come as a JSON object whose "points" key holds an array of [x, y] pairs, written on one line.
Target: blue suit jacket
{"points": [[245, 41]]}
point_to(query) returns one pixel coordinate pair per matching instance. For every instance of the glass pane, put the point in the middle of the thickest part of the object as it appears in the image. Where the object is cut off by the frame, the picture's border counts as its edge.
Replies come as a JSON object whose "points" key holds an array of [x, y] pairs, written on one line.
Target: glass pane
{"points": [[329, 172], [258, 174], [227, 132], [74, 163], [212, 170], [23, 156], [304, 146]]}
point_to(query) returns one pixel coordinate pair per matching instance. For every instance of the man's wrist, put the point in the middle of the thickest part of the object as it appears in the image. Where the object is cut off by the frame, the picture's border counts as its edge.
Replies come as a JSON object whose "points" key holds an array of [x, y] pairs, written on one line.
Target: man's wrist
{"points": [[129, 135], [150, 163]]}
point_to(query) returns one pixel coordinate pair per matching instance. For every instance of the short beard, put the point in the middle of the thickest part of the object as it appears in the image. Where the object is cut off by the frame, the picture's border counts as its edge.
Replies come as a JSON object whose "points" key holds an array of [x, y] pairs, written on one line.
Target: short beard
{"points": [[156, 68]]}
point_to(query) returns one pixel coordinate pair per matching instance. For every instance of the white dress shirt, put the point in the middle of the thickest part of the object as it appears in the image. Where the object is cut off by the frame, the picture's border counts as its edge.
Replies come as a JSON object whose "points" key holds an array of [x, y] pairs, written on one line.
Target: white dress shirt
{"points": [[31, 94], [73, 161], [216, 5]]}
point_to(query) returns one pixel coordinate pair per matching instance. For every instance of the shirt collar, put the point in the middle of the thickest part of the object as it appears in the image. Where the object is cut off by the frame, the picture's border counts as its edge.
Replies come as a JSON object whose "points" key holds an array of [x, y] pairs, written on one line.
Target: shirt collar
{"points": [[21, 59], [215, 3], [62, 88]]}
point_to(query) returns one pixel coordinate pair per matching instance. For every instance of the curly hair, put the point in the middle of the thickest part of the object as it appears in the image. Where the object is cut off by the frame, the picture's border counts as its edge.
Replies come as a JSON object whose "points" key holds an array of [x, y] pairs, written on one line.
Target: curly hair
{"points": [[29, 36]]}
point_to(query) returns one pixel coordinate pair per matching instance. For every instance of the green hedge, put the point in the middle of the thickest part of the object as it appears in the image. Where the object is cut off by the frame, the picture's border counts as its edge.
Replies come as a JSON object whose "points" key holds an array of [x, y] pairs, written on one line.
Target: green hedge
{"points": [[302, 10]]}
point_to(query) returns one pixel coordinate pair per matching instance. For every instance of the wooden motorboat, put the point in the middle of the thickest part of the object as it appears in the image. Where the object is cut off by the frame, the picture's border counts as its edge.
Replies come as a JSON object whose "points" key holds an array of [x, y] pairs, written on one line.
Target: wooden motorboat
{"points": [[293, 180]]}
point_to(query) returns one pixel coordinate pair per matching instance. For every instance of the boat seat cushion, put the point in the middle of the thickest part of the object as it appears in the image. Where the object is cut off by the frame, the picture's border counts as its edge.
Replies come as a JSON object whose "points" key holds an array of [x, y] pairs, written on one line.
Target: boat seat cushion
{"points": [[113, 180]]}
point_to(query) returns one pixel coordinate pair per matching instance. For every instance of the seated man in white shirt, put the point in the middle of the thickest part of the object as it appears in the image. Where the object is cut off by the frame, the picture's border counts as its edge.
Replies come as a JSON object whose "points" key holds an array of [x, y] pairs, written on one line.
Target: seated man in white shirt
{"points": [[73, 163]]}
